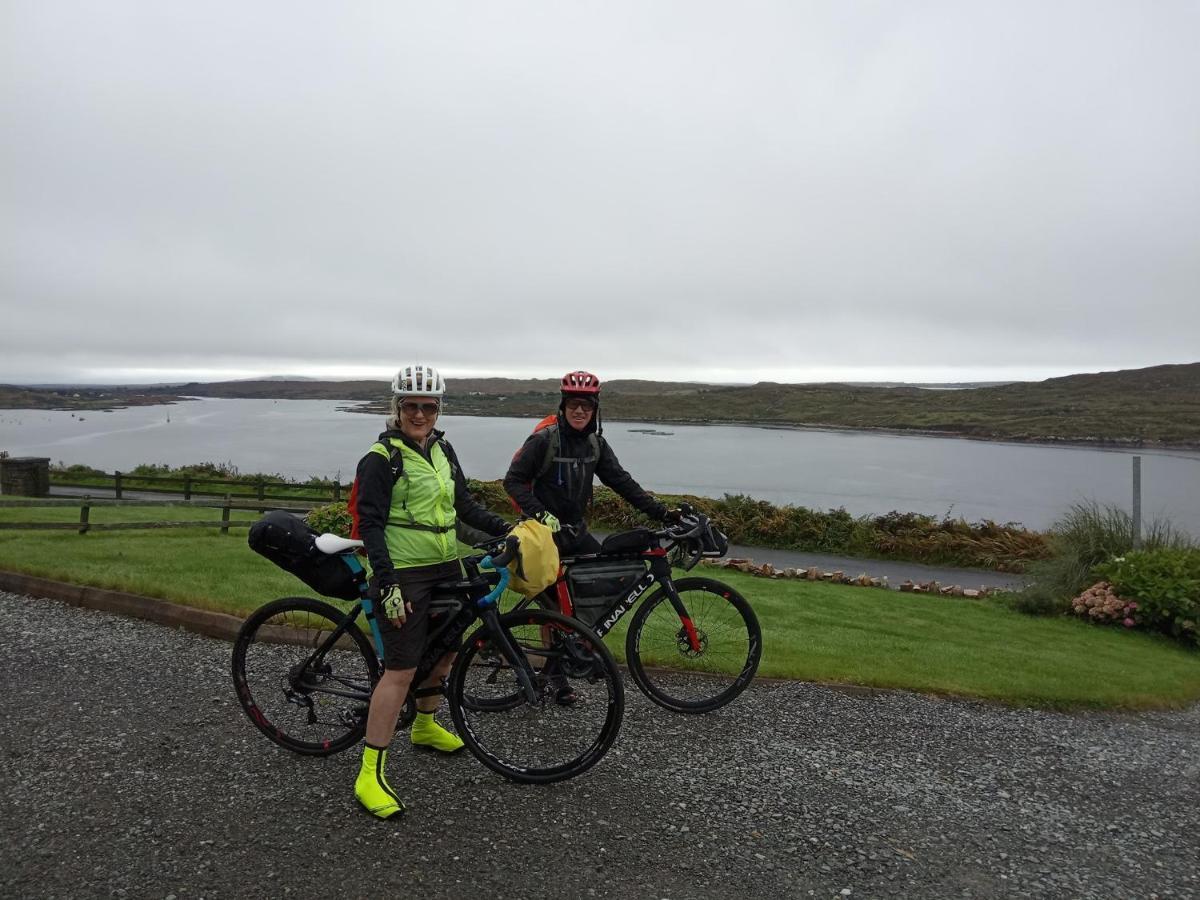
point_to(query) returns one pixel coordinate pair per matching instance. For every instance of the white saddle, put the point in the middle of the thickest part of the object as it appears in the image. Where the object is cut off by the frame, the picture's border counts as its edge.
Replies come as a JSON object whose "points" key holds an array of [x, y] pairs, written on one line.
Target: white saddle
{"points": [[331, 543]]}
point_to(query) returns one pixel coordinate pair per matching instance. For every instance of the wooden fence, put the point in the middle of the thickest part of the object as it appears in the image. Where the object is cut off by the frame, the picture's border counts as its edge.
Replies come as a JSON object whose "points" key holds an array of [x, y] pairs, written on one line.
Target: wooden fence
{"points": [[189, 485], [86, 504]]}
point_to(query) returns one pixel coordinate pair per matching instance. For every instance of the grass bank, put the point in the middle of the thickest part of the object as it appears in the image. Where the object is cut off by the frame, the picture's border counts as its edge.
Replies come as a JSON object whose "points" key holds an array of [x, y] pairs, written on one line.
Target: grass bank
{"points": [[812, 631]]}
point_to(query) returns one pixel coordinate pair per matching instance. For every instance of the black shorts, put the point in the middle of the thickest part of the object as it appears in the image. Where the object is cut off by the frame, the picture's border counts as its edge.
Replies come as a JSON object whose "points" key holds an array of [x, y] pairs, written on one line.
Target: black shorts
{"points": [[403, 646]]}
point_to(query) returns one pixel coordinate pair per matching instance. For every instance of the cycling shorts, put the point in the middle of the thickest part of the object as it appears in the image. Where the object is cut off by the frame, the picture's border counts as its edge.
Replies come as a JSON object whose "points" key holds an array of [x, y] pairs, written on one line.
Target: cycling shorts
{"points": [[404, 646]]}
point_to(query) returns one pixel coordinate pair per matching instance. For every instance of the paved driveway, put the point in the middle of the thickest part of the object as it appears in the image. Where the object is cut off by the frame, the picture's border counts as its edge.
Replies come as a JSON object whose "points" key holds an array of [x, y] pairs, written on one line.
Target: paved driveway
{"points": [[129, 771]]}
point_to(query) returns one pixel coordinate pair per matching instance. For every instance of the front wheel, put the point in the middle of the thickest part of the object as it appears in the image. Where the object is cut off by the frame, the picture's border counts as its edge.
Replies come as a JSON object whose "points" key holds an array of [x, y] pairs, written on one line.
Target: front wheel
{"points": [[303, 672], [694, 673], [538, 740]]}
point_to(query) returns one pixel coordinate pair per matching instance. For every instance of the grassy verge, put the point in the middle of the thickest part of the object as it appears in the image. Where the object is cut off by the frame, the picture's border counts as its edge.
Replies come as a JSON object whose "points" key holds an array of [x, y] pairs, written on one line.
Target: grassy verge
{"points": [[812, 631]]}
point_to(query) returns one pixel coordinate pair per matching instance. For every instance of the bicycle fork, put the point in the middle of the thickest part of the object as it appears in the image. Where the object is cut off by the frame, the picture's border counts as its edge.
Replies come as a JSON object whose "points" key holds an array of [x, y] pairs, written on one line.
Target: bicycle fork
{"points": [[662, 571], [518, 661]]}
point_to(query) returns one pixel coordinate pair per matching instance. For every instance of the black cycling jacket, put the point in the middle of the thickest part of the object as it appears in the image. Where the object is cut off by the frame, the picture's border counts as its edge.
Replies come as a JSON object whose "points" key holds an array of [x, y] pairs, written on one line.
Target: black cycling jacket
{"points": [[566, 488], [374, 478]]}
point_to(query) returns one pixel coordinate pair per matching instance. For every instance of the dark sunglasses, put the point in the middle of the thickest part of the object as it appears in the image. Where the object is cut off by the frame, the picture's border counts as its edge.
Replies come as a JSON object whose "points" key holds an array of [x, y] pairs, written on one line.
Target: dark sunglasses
{"points": [[578, 402], [411, 408]]}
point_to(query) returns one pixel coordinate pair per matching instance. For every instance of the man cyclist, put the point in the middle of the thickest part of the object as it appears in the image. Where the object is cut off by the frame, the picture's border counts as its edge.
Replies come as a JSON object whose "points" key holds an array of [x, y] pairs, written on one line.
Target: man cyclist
{"points": [[551, 476]]}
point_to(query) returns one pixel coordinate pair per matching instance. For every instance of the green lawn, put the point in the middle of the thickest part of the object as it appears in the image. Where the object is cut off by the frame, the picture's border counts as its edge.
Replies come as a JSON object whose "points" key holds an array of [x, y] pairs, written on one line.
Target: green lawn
{"points": [[812, 631]]}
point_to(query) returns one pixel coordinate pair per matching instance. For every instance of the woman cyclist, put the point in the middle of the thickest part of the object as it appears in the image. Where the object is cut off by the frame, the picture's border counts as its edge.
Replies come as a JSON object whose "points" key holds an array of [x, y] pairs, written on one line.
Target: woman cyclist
{"points": [[411, 491]]}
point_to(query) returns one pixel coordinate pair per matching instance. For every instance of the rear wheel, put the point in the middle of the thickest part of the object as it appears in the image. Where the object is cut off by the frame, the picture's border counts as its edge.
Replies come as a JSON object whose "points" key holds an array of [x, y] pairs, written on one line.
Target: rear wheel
{"points": [[303, 692], [695, 677], [539, 741]]}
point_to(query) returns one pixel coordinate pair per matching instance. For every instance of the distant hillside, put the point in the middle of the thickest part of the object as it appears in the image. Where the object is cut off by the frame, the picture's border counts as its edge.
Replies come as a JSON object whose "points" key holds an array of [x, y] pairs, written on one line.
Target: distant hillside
{"points": [[1154, 406], [13, 396]]}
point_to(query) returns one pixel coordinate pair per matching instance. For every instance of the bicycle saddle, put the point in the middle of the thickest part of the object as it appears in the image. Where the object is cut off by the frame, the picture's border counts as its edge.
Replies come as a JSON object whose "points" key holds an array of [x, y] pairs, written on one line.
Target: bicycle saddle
{"points": [[331, 543]]}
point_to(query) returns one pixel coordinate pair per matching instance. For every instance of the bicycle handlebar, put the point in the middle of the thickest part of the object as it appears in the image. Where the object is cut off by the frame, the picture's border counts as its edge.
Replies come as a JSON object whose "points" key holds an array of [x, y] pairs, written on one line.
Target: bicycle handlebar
{"points": [[499, 564], [692, 526]]}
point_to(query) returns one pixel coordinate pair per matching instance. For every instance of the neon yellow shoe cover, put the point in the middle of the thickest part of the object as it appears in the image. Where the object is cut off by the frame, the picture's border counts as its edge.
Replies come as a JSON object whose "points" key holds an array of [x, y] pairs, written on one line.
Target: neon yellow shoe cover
{"points": [[371, 787], [428, 733]]}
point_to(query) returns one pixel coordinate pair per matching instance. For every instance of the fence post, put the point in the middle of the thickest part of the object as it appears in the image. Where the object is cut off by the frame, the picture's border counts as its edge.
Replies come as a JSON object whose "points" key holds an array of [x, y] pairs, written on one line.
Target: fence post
{"points": [[84, 513], [117, 484], [187, 487], [225, 516], [1137, 503]]}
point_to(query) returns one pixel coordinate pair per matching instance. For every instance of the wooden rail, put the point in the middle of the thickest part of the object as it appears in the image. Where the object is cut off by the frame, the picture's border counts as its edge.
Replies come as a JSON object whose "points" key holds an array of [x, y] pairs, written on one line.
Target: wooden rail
{"points": [[187, 485], [85, 504]]}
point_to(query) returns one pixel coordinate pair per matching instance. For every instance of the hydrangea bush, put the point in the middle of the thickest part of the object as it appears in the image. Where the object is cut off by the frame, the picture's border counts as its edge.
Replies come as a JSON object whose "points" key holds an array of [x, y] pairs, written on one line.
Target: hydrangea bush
{"points": [[1101, 603], [1165, 584]]}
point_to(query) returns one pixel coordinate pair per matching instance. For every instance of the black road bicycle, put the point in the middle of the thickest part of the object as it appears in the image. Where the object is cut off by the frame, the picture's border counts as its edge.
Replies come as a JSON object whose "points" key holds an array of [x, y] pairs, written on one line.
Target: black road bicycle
{"points": [[694, 644], [304, 671]]}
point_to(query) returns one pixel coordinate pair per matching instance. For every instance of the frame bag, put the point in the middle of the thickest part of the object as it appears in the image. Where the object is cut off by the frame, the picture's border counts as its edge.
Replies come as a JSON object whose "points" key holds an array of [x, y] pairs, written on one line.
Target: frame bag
{"points": [[597, 586]]}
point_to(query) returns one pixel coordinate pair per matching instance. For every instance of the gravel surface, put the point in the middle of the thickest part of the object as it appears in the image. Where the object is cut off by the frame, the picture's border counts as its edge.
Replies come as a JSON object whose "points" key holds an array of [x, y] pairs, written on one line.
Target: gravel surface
{"points": [[130, 771]]}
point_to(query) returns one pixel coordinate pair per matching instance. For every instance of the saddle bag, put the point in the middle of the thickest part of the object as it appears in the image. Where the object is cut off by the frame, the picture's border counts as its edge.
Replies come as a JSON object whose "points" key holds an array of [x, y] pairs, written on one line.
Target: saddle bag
{"points": [[286, 541], [595, 586]]}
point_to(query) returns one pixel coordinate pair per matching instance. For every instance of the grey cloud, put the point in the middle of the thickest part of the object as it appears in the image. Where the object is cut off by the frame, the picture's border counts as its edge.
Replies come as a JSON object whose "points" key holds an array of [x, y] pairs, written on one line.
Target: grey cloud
{"points": [[674, 188]]}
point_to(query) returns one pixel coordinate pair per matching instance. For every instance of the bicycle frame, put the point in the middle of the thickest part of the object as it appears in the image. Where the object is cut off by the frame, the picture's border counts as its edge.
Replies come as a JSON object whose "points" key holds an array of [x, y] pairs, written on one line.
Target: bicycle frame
{"points": [[658, 571], [447, 606]]}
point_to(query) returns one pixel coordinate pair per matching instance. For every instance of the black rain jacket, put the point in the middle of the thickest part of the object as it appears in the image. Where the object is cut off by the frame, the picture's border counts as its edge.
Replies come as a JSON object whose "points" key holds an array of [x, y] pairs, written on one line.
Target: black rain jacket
{"points": [[565, 489]]}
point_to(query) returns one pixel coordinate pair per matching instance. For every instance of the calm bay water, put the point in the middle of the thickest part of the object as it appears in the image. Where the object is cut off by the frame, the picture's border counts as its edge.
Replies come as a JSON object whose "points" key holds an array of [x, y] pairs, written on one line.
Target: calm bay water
{"points": [[864, 472]]}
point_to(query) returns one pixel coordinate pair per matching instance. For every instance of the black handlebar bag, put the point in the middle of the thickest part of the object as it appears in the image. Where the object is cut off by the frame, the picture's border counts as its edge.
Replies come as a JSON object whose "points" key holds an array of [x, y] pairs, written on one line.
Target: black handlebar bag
{"points": [[289, 543]]}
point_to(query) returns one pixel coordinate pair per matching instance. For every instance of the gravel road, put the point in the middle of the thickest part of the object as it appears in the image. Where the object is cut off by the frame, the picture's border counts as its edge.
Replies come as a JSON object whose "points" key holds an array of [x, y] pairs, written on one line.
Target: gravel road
{"points": [[130, 771]]}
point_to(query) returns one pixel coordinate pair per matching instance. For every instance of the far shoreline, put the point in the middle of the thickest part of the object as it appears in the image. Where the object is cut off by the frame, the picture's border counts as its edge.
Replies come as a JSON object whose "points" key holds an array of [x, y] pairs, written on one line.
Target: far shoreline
{"points": [[1187, 449], [1112, 446]]}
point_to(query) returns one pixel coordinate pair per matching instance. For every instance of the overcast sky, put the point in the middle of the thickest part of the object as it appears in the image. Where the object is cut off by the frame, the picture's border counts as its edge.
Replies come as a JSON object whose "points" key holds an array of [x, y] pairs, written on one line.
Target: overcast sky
{"points": [[686, 190]]}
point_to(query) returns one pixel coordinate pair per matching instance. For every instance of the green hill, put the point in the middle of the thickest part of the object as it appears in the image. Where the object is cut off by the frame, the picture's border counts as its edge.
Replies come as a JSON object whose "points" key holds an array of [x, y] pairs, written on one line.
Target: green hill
{"points": [[1157, 406]]}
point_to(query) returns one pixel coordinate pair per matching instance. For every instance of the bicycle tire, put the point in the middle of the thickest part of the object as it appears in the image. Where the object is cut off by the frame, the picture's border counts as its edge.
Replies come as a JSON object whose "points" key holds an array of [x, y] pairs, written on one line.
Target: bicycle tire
{"points": [[664, 667], [289, 707], [539, 742]]}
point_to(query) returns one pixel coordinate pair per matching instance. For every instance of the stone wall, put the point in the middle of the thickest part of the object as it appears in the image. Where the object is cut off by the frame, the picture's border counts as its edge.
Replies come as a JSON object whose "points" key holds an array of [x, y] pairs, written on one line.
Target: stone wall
{"points": [[25, 476]]}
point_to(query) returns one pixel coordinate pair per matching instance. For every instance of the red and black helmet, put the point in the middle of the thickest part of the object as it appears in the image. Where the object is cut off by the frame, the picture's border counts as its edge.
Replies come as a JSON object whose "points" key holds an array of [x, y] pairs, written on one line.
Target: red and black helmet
{"points": [[580, 382]]}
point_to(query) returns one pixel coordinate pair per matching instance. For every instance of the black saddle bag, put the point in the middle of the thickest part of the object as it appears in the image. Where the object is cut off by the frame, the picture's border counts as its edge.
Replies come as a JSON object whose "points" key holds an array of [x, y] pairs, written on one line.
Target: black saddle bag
{"points": [[286, 541]]}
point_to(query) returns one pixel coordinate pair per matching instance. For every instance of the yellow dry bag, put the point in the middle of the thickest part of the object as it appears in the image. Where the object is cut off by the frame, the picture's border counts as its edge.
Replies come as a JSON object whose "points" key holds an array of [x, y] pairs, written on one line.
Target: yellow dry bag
{"points": [[535, 567]]}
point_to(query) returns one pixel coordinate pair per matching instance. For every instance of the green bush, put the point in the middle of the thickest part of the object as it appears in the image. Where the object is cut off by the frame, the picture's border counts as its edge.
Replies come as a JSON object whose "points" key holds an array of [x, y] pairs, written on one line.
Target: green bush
{"points": [[75, 471], [332, 517], [1165, 584]]}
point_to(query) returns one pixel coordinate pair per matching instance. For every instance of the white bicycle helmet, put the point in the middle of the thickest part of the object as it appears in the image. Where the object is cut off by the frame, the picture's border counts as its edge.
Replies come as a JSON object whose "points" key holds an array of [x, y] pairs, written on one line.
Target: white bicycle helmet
{"points": [[418, 381]]}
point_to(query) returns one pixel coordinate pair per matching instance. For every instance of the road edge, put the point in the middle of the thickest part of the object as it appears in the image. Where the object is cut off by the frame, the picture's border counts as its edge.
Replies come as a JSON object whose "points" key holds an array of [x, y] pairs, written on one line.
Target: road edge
{"points": [[163, 612]]}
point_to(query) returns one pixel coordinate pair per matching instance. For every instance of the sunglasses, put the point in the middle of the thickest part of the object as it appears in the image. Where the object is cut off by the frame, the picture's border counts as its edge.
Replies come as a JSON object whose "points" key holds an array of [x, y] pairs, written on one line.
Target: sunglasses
{"points": [[411, 408], [580, 404]]}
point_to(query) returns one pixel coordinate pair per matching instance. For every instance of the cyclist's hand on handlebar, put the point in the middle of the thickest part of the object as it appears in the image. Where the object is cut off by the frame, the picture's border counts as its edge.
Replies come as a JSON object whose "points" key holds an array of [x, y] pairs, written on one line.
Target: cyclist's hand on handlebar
{"points": [[395, 607], [673, 516], [548, 519]]}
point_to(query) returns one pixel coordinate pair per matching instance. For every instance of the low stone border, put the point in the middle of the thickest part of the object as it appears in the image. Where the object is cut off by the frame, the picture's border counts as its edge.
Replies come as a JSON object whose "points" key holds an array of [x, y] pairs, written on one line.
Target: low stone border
{"points": [[200, 621], [766, 570]]}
